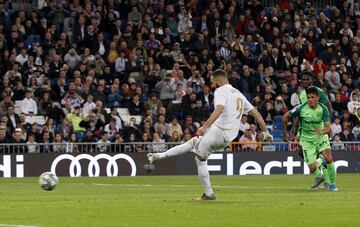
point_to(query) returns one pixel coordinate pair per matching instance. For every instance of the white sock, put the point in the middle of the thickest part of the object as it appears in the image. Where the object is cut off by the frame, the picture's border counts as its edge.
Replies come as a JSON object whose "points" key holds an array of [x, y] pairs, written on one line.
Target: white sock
{"points": [[204, 176], [178, 150]]}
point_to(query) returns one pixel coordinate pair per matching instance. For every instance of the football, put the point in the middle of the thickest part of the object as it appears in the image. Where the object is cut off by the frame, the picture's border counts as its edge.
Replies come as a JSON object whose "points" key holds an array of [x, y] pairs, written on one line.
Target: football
{"points": [[48, 181], [148, 168]]}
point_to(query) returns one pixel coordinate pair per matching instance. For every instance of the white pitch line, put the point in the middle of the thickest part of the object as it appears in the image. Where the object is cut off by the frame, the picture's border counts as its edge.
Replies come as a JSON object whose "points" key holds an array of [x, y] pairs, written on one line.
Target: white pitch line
{"points": [[217, 186], [11, 225]]}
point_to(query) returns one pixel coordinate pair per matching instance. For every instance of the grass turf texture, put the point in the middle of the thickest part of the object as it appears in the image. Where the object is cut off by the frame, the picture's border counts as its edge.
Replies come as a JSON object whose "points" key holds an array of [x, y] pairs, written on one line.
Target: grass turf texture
{"points": [[276, 200]]}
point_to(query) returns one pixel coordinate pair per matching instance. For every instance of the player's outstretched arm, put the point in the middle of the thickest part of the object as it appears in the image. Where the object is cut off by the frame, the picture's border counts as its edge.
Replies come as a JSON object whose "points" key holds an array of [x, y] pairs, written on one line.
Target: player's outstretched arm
{"points": [[215, 115], [260, 120]]}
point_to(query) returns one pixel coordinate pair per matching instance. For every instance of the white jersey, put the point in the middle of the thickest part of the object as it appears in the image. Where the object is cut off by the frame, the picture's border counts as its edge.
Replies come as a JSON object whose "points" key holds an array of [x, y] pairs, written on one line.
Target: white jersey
{"points": [[235, 105]]}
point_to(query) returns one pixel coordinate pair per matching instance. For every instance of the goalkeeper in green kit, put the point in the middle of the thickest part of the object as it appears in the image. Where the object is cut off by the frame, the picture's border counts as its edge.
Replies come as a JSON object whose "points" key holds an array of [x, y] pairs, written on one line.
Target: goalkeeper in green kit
{"points": [[314, 120]]}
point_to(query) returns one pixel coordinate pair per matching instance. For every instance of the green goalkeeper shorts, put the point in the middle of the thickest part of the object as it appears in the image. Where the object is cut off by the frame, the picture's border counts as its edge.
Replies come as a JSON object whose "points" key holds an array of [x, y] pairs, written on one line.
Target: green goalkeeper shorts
{"points": [[312, 148]]}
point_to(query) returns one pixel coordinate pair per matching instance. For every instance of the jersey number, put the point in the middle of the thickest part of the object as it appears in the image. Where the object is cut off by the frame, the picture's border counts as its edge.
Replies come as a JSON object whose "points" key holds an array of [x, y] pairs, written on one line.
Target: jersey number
{"points": [[239, 103]]}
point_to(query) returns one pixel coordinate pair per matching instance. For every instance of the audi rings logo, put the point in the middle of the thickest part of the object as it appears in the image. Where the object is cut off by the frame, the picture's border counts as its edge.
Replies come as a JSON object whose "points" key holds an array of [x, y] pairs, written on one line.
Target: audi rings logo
{"points": [[112, 168]]}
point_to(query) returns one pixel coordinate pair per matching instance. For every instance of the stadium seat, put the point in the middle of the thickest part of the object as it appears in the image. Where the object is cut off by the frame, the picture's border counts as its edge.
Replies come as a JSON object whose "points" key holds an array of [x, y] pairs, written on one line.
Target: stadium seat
{"points": [[39, 119], [126, 118], [277, 133], [18, 106], [123, 111]]}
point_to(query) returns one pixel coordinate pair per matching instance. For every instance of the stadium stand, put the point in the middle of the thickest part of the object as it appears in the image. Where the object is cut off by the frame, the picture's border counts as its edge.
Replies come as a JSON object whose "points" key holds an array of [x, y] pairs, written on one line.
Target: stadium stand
{"points": [[152, 62]]}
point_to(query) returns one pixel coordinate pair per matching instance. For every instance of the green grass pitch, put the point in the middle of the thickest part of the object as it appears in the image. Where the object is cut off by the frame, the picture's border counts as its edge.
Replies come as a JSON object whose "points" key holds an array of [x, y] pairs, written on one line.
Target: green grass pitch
{"points": [[275, 200]]}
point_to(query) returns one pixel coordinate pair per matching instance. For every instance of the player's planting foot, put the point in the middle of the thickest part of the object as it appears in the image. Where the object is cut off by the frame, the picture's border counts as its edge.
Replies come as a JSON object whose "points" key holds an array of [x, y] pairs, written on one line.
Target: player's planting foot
{"points": [[332, 187], [325, 186], [153, 157], [206, 197], [317, 182]]}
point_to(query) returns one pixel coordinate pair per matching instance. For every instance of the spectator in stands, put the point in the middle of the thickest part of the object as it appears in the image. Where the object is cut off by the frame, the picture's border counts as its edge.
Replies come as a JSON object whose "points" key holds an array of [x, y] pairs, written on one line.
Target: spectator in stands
{"points": [[167, 89], [354, 103], [333, 78], [73, 147], [111, 129], [29, 105], [248, 143], [115, 115], [93, 123], [5, 103], [244, 125], [336, 127], [356, 131], [101, 43], [153, 104], [268, 112], [103, 145], [280, 105], [131, 147], [45, 104], [72, 99], [114, 98], [337, 144], [89, 105], [17, 139], [174, 126], [99, 94], [59, 145], [175, 138], [13, 117], [136, 107], [158, 144], [346, 135], [206, 97], [199, 113], [117, 143], [32, 146], [146, 139], [46, 146], [75, 119]]}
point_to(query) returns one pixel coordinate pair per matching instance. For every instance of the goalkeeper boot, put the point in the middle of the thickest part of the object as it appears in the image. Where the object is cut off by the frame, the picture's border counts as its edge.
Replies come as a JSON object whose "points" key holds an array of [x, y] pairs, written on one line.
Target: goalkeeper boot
{"points": [[317, 182], [153, 157], [206, 197]]}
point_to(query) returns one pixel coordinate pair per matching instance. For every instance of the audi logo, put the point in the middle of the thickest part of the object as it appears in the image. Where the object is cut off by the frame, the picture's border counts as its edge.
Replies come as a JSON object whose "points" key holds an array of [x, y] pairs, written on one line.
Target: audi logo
{"points": [[112, 168]]}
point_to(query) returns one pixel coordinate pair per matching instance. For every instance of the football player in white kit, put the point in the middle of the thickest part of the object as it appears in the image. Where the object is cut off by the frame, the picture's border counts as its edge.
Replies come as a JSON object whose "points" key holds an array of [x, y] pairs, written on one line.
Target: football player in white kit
{"points": [[218, 131]]}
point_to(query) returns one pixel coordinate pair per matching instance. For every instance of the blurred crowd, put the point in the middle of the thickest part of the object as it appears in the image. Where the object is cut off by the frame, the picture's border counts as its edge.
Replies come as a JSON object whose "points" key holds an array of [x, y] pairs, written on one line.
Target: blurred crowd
{"points": [[72, 60]]}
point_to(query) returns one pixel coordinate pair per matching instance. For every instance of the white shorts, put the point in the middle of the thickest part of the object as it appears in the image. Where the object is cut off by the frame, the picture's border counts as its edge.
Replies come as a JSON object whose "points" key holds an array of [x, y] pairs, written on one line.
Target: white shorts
{"points": [[212, 141]]}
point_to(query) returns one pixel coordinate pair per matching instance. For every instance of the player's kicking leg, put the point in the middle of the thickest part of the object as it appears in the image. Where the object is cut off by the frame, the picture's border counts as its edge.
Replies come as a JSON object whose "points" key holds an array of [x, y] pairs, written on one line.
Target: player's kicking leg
{"points": [[177, 150]]}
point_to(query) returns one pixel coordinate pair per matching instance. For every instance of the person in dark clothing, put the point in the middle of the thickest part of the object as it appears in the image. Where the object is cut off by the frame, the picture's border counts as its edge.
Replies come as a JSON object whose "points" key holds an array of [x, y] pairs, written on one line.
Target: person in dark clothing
{"points": [[56, 113], [4, 139], [94, 124], [199, 113], [47, 146], [17, 139], [136, 107]]}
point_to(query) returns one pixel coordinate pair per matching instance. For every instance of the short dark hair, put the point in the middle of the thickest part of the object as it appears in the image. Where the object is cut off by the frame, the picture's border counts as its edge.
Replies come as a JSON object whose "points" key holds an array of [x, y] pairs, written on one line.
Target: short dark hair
{"points": [[220, 72], [312, 90]]}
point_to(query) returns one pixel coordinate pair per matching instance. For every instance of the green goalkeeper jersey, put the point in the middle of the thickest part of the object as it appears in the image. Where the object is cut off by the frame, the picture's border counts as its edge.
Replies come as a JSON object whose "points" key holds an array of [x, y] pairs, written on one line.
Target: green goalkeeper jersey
{"points": [[310, 119], [323, 97]]}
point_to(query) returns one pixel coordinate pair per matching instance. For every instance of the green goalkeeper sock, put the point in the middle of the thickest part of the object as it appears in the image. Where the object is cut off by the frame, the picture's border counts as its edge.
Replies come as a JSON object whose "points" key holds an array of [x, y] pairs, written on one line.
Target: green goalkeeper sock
{"points": [[325, 174], [331, 173]]}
